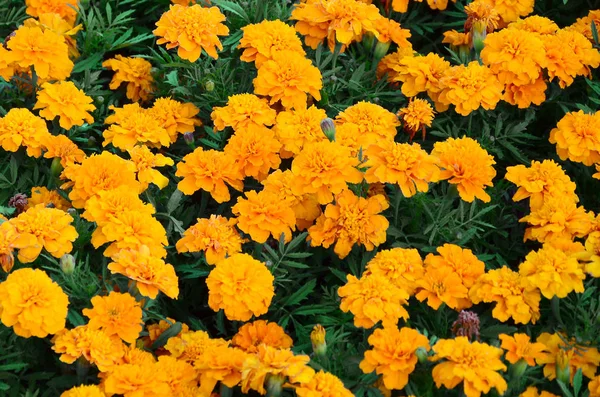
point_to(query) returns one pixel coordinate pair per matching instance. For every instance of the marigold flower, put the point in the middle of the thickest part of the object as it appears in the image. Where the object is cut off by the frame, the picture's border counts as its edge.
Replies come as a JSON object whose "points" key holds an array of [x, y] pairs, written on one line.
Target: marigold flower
{"points": [[67, 9], [578, 357], [45, 50], [175, 117], [318, 340], [55, 22], [563, 61], [10, 240], [391, 64], [255, 150], [299, 127], [116, 314], [405, 164], [402, 266], [261, 40], [107, 206], [190, 346], [518, 347], [220, 364], [136, 72], [156, 330], [466, 164], [584, 25], [532, 391], [20, 127], [371, 299], [7, 67], [591, 255], [60, 146], [442, 285], [511, 10], [288, 77], [393, 354], [421, 74], [252, 335], [145, 161], [416, 115], [594, 387], [577, 137], [391, 31], [192, 29], [242, 111], [177, 374], [84, 391], [32, 304], [323, 384], [150, 274], [132, 380], [209, 170], [455, 38], [374, 122], [351, 220], [131, 125], [476, 364], [241, 286], [535, 24], [400, 5], [540, 181], [524, 95], [514, 295], [65, 101]]}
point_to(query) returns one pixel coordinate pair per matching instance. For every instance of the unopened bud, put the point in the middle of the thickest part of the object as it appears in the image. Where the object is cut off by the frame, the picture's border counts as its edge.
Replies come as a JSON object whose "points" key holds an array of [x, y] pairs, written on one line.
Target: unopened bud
{"points": [[317, 337], [478, 35], [67, 264], [422, 355], [188, 137], [563, 370], [91, 142], [18, 202], [209, 86], [381, 49], [368, 40], [328, 128], [7, 261], [100, 99], [518, 369], [274, 385], [72, 211], [56, 167]]}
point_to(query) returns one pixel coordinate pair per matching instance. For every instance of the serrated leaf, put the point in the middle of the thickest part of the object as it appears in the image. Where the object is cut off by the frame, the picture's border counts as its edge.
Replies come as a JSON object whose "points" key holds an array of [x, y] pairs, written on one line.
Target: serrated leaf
{"points": [[233, 8], [295, 264], [172, 331], [301, 293], [90, 62]]}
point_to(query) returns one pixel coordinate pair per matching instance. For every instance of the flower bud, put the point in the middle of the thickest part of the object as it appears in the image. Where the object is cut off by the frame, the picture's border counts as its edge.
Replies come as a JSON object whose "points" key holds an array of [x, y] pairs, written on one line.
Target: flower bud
{"points": [[563, 370], [67, 264], [518, 369], [422, 355], [478, 35], [209, 85], [368, 40], [72, 211], [328, 128], [18, 202], [7, 261], [317, 337], [91, 142], [381, 49], [56, 167], [274, 385], [188, 137]]}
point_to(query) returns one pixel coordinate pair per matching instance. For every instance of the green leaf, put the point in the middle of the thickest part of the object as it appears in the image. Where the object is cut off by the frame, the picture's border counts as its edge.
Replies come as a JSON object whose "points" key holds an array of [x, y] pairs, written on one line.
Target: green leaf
{"points": [[594, 32], [565, 389], [174, 201], [493, 331], [577, 381], [233, 8], [301, 293], [13, 367], [172, 331], [88, 63]]}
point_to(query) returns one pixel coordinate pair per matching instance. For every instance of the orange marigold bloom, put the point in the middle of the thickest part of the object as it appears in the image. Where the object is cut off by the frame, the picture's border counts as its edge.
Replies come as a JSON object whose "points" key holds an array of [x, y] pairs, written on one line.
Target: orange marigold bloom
{"points": [[220, 364], [255, 150], [400, 5], [394, 354], [416, 115], [518, 347], [569, 54], [241, 286], [470, 87], [136, 72], [20, 127], [190, 346], [97, 173], [323, 384], [133, 380], [577, 137], [149, 273], [591, 255], [515, 297], [540, 181], [145, 161], [391, 31], [535, 24], [107, 205], [524, 95], [131, 125], [252, 335], [216, 236], [391, 63], [402, 266], [32, 304], [59, 25], [177, 374], [242, 111], [532, 391], [52, 229], [511, 10], [299, 127], [405, 164], [584, 25], [442, 285], [276, 363], [65, 101], [421, 74], [455, 38], [67, 9], [209, 170], [374, 122], [288, 78], [351, 220], [476, 364], [45, 50], [7, 67], [116, 314], [261, 40], [192, 29], [373, 298], [175, 117], [156, 330], [84, 391], [10, 240], [577, 356], [324, 168], [466, 164], [60, 146], [594, 387], [264, 214]]}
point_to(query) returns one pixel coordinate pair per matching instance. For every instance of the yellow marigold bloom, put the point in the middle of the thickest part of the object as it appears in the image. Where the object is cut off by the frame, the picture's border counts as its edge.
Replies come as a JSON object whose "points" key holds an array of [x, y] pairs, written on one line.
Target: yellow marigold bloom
{"points": [[299, 127], [190, 346], [577, 137], [97, 173], [59, 25], [318, 340], [374, 122], [116, 314], [535, 24], [591, 255], [45, 50], [134, 380], [175, 117], [391, 64], [191, 30], [400, 5], [421, 74], [518, 347], [532, 391], [405, 164], [242, 111], [261, 40], [67, 9], [136, 72], [255, 149], [455, 38], [51, 228], [20, 127], [276, 363], [540, 181], [323, 384], [511, 10], [49, 198], [65, 101], [241, 286], [466, 164], [351, 220], [84, 391], [10, 240], [393, 354], [150, 274], [288, 78], [470, 87], [373, 298], [131, 125], [524, 95], [60, 146], [515, 297], [553, 271], [558, 217], [402, 266], [145, 161], [32, 304], [391, 31], [594, 387], [7, 67], [252, 335], [305, 206], [324, 168], [579, 357], [475, 364], [133, 355], [442, 285], [209, 170], [177, 374], [416, 115], [216, 236], [220, 364]]}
